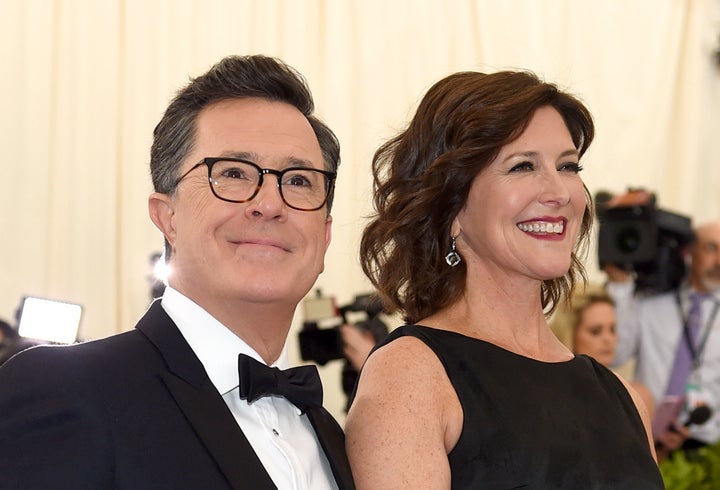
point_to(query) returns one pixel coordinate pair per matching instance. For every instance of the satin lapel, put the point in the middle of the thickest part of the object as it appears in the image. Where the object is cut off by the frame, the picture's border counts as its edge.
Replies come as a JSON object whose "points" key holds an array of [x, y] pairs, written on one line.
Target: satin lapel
{"points": [[202, 405], [332, 440], [210, 417]]}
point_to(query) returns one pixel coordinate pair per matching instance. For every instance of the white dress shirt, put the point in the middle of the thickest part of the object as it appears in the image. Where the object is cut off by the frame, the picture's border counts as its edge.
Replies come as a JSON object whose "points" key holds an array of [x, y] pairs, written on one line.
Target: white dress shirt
{"points": [[283, 439], [650, 329]]}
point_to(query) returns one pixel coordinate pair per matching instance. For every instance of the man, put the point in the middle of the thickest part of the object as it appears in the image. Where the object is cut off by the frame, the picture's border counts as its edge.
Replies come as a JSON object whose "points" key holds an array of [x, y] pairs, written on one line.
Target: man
{"points": [[243, 173], [655, 329]]}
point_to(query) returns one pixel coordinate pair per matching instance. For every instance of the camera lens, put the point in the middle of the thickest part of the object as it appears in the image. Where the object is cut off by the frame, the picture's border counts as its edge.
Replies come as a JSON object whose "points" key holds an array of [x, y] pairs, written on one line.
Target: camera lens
{"points": [[628, 240]]}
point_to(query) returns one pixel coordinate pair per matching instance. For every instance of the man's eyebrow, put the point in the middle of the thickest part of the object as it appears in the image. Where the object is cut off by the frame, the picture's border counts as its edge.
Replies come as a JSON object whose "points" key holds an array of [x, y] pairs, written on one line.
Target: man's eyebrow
{"points": [[299, 162], [255, 158], [245, 155]]}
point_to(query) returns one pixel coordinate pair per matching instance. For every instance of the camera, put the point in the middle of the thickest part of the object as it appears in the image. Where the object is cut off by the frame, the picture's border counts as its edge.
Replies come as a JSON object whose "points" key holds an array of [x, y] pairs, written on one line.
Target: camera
{"points": [[638, 237], [320, 338]]}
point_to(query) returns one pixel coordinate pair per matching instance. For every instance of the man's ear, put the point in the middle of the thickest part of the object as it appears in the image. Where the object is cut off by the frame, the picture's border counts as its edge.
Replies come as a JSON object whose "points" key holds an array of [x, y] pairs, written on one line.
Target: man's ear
{"points": [[328, 231], [162, 213]]}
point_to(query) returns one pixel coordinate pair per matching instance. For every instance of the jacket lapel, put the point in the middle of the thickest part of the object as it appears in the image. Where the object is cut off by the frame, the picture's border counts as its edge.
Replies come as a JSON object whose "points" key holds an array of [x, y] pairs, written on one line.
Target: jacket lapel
{"points": [[332, 440], [202, 405]]}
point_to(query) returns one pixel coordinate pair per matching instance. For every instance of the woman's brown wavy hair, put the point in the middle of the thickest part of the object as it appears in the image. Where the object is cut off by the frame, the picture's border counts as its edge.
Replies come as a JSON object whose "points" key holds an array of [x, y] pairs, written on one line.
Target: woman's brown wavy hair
{"points": [[423, 175]]}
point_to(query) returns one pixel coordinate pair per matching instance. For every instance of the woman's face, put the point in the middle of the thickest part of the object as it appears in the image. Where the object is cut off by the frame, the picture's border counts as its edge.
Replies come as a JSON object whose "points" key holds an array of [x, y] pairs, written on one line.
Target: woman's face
{"points": [[524, 211], [595, 334]]}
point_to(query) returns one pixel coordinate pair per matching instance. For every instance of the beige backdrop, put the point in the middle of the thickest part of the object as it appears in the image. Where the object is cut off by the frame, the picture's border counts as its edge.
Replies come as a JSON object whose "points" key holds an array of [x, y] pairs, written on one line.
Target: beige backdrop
{"points": [[85, 81]]}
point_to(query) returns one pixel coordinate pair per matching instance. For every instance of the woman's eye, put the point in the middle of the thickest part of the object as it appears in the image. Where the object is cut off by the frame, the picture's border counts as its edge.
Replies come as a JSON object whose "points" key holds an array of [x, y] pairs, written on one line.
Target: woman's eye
{"points": [[571, 167], [523, 166]]}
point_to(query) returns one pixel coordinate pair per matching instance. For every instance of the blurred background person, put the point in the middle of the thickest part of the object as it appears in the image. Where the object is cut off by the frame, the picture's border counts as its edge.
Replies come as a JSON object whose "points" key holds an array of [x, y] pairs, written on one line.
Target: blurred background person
{"points": [[587, 326], [674, 336], [7, 332], [480, 216], [8, 341], [11, 342], [357, 344]]}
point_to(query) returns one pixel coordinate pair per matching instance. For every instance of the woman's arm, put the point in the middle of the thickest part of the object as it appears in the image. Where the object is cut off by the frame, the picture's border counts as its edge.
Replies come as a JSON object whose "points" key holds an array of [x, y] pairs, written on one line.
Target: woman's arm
{"points": [[644, 414], [404, 420]]}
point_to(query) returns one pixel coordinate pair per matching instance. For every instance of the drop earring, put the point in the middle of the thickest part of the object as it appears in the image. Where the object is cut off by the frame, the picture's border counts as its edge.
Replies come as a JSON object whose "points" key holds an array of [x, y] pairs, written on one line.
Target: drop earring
{"points": [[453, 258]]}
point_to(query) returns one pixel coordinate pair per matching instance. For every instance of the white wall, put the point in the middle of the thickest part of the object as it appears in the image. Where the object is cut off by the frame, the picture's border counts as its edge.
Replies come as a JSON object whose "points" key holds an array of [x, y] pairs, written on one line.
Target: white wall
{"points": [[85, 81]]}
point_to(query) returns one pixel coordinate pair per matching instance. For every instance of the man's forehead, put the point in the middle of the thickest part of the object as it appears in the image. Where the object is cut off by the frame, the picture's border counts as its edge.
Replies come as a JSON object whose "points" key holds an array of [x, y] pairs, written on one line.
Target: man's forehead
{"points": [[708, 233], [707, 238], [259, 130]]}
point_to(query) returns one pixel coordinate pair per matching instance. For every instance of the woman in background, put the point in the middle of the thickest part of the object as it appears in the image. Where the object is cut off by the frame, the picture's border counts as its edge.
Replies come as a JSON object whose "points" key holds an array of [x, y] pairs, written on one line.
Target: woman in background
{"points": [[480, 210], [587, 326]]}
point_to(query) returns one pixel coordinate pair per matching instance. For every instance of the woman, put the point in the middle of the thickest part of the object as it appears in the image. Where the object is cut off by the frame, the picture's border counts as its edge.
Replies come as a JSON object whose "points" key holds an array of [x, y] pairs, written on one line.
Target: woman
{"points": [[479, 214], [587, 326]]}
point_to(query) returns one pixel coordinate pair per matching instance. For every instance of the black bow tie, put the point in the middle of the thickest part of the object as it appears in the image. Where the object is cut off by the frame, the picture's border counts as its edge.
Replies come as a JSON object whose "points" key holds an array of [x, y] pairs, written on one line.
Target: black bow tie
{"points": [[300, 385]]}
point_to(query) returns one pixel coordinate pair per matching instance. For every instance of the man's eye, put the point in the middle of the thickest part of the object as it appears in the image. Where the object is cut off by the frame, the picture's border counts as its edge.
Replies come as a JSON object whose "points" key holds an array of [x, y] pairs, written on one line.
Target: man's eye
{"points": [[233, 173], [297, 180]]}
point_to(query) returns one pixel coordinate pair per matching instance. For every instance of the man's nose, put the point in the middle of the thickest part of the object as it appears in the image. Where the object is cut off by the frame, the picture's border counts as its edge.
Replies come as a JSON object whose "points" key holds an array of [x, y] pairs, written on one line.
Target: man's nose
{"points": [[268, 201]]}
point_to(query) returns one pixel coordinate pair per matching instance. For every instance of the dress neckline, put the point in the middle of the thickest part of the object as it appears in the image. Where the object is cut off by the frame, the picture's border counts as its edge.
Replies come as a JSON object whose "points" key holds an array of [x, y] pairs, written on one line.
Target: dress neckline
{"points": [[499, 348]]}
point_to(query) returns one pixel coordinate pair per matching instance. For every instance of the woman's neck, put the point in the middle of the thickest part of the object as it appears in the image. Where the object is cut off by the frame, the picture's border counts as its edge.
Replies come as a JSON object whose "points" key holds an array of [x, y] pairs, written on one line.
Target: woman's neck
{"points": [[509, 317]]}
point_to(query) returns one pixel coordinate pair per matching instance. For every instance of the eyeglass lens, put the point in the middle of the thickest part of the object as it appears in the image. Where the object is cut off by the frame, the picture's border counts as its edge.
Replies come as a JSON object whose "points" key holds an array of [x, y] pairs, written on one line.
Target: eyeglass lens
{"points": [[238, 181]]}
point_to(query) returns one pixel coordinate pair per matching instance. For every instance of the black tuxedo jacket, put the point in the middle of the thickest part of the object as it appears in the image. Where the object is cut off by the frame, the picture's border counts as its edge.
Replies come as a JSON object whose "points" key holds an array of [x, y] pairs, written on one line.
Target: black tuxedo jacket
{"points": [[132, 411]]}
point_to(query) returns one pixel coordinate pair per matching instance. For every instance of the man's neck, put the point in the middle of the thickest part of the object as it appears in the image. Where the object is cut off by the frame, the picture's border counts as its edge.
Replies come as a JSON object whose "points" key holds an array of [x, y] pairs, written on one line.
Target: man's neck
{"points": [[263, 326]]}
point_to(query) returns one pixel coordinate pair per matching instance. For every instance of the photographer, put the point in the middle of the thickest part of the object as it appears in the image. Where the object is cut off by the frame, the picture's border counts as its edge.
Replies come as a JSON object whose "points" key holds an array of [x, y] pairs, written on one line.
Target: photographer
{"points": [[357, 344], [354, 330], [674, 338]]}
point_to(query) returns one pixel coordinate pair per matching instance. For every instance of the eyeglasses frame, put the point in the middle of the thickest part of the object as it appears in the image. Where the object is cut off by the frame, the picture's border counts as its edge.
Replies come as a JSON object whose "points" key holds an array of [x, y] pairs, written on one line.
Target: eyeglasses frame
{"points": [[210, 161]]}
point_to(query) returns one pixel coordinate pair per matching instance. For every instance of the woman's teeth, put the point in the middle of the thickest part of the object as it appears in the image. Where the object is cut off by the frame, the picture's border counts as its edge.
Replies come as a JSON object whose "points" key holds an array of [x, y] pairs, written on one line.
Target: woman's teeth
{"points": [[542, 227]]}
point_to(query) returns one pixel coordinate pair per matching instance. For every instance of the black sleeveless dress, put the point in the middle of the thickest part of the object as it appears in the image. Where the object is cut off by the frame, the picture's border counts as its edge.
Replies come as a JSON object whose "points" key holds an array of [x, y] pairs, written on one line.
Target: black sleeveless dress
{"points": [[532, 424]]}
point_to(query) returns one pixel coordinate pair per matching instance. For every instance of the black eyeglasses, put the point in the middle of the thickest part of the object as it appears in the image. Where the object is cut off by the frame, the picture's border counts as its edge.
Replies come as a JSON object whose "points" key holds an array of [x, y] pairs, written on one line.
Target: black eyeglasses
{"points": [[238, 180]]}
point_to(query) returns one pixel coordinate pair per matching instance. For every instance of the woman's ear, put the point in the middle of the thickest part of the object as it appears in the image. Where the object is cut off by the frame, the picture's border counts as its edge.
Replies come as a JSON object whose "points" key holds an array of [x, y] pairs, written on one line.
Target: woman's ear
{"points": [[455, 227]]}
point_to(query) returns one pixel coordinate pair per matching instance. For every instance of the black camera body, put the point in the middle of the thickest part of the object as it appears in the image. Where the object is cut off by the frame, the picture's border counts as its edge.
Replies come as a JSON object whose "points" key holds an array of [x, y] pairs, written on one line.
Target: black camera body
{"points": [[638, 237], [320, 345], [320, 339]]}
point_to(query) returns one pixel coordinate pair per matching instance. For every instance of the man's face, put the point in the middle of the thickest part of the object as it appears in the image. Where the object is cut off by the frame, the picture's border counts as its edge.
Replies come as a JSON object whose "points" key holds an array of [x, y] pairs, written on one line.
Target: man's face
{"points": [[261, 252], [705, 267]]}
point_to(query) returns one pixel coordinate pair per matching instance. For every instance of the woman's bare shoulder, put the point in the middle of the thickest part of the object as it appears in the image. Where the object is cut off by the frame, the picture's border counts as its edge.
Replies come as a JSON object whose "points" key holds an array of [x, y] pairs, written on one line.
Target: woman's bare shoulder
{"points": [[402, 412]]}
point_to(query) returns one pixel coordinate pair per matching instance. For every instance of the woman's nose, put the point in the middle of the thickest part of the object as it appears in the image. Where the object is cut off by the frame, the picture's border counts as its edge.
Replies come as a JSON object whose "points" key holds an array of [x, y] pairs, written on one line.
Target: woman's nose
{"points": [[554, 189]]}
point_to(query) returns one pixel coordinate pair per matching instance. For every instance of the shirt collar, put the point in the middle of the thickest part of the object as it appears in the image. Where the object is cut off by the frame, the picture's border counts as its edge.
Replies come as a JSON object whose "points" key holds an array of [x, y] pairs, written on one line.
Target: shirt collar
{"points": [[213, 343], [688, 290]]}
